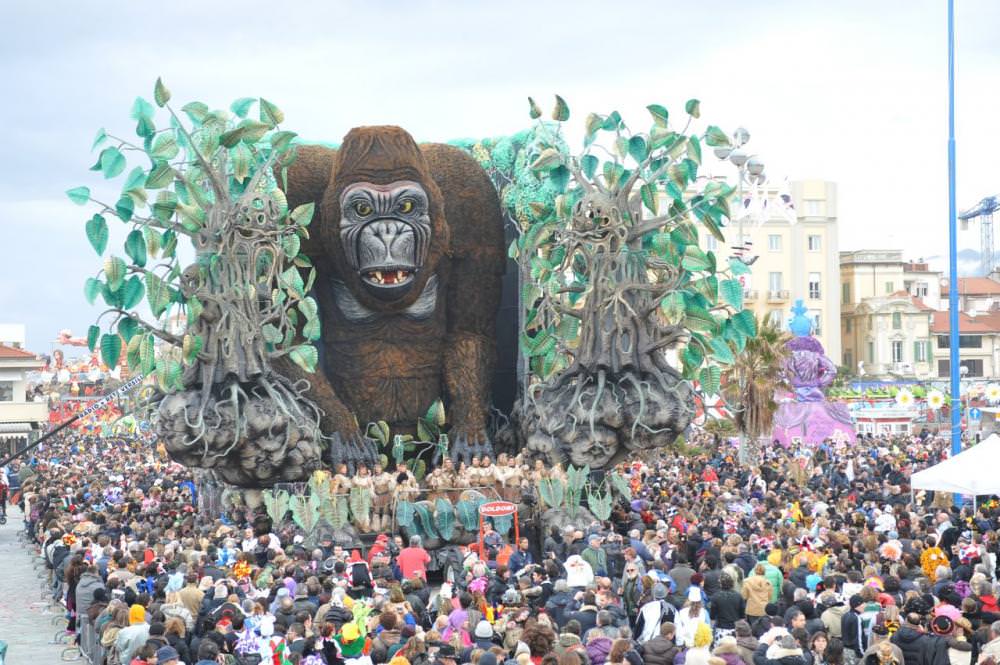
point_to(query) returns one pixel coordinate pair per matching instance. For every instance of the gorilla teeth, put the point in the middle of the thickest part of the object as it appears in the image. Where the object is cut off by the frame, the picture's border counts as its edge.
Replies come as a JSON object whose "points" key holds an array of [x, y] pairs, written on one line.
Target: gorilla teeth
{"points": [[389, 277]]}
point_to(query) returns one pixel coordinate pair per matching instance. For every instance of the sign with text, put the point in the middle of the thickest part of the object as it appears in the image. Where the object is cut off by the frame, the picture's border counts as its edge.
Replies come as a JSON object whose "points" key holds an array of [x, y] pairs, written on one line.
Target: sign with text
{"points": [[497, 509]]}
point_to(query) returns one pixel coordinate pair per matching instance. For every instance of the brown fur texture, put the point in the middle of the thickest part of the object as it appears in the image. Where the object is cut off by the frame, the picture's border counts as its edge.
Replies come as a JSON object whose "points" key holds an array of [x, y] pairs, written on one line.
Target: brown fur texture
{"points": [[393, 367]]}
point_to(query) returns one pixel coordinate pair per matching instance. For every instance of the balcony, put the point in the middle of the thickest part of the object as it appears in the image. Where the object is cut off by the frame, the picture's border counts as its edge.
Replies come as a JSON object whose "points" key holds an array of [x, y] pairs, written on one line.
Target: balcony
{"points": [[777, 296], [750, 294], [23, 412]]}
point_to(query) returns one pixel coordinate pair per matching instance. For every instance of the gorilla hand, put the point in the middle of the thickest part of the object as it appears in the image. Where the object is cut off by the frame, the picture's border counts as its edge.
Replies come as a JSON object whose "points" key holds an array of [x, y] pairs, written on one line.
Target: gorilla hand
{"points": [[467, 445], [352, 450]]}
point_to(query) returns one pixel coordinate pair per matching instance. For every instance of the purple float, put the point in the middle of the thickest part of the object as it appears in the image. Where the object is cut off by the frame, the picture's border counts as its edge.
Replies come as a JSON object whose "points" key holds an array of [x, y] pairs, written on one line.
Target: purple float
{"points": [[808, 417]]}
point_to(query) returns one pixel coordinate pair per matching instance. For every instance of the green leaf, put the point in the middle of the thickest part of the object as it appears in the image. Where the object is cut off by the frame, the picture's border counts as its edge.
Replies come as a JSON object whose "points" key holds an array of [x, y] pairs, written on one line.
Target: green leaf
{"points": [[561, 111], [79, 195], [649, 197], [637, 148], [280, 141], [699, 319], [721, 351], [232, 137], [672, 306], [97, 233], [160, 93], [305, 356], [124, 208], [112, 162], [547, 160], [164, 146], [253, 130], [197, 111], [132, 292], [161, 176], [732, 293], [99, 138], [695, 259], [694, 149], [715, 137], [592, 125], [191, 347], [91, 288], [93, 332], [312, 330], [157, 293], [142, 109], [737, 267], [114, 272], [693, 108], [242, 106], [240, 157], [659, 113], [745, 322], [710, 378], [111, 349], [588, 165], [127, 328], [303, 214], [533, 109], [145, 128], [270, 114], [166, 204], [135, 248]]}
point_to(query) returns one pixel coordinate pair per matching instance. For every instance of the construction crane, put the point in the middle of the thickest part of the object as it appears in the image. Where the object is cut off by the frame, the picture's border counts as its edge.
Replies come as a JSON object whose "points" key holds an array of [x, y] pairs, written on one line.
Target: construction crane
{"points": [[983, 212]]}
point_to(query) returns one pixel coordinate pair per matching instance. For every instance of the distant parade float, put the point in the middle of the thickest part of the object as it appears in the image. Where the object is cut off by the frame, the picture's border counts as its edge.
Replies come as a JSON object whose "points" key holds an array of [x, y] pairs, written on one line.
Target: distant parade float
{"points": [[809, 417]]}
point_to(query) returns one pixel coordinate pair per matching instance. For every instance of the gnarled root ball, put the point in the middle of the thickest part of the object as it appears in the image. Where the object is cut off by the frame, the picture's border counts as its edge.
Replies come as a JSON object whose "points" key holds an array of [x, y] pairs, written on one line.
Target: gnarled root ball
{"points": [[599, 420], [251, 435]]}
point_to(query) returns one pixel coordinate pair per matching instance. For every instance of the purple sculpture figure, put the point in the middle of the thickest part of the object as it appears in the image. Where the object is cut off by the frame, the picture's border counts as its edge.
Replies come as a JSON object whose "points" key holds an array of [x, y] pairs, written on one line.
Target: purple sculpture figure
{"points": [[808, 417]]}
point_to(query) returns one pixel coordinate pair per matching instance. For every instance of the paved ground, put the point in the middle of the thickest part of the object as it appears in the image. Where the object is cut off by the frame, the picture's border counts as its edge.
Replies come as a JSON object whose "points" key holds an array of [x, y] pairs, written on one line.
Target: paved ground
{"points": [[25, 619]]}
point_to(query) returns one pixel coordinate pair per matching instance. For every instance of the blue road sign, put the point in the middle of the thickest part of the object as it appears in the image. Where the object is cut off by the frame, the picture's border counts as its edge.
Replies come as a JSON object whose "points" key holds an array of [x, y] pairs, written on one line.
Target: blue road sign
{"points": [[975, 414]]}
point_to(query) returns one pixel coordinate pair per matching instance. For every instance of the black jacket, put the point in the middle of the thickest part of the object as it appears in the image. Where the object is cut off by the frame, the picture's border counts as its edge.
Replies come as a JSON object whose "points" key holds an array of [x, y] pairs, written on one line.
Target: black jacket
{"points": [[853, 634], [586, 615], [727, 609], [920, 648], [659, 651]]}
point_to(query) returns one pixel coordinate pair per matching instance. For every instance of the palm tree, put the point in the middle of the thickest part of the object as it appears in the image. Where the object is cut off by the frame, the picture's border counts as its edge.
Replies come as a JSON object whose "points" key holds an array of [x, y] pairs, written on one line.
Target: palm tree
{"points": [[750, 383]]}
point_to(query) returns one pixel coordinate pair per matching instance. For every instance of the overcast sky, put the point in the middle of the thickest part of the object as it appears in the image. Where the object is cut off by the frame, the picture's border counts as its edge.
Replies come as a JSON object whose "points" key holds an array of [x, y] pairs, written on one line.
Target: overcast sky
{"points": [[851, 91]]}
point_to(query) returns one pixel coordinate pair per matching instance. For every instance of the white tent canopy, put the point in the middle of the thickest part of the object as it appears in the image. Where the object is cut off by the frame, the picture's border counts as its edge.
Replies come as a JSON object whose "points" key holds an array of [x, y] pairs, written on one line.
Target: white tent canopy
{"points": [[972, 471]]}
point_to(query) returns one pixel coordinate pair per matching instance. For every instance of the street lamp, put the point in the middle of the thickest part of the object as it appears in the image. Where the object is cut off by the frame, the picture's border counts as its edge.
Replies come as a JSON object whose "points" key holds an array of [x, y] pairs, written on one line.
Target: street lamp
{"points": [[750, 170]]}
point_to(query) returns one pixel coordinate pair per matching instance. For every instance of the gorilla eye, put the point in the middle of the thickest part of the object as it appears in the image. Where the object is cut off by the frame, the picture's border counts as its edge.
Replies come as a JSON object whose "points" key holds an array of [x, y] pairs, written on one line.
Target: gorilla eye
{"points": [[406, 205], [362, 208]]}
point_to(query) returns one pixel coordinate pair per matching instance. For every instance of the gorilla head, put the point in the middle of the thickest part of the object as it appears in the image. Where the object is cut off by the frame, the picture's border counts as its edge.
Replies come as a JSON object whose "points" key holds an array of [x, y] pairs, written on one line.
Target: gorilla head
{"points": [[388, 216]]}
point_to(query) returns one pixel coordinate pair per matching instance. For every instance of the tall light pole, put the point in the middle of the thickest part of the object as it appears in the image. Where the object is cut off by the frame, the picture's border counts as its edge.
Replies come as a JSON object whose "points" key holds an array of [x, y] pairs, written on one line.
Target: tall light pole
{"points": [[953, 318]]}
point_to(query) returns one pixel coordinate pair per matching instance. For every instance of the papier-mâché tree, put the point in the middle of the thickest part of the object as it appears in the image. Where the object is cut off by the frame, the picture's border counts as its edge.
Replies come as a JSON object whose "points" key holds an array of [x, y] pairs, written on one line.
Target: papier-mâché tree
{"points": [[239, 309]]}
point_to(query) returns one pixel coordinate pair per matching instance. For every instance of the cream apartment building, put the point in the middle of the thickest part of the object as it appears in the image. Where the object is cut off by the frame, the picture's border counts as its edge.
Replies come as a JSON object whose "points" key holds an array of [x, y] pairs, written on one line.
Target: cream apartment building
{"points": [[796, 258]]}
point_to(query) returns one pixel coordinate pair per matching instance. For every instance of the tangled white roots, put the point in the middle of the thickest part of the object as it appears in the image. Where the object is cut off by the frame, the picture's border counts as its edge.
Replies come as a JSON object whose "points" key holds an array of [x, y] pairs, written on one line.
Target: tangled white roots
{"points": [[252, 435], [598, 420]]}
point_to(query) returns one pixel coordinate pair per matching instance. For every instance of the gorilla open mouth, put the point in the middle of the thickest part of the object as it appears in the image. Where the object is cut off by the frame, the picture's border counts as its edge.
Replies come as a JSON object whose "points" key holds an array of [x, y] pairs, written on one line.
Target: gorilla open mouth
{"points": [[388, 276]]}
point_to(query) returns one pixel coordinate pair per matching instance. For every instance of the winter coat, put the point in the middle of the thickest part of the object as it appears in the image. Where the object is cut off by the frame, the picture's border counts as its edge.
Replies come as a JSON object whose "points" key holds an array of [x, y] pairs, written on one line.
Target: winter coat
{"points": [[730, 654], [991, 648], [757, 592], [381, 645], [586, 615], [89, 582], [696, 656], [959, 652], [598, 649], [919, 648], [727, 608], [852, 633], [558, 605], [567, 642], [747, 646], [775, 655], [871, 655], [659, 651], [831, 619]]}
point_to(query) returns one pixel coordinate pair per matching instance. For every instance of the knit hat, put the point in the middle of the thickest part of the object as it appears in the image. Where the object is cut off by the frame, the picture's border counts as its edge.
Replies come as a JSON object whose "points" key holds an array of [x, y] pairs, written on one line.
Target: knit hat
{"points": [[659, 591], [484, 630], [136, 614], [702, 635], [165, 653], [694, 594], [742, 628]]}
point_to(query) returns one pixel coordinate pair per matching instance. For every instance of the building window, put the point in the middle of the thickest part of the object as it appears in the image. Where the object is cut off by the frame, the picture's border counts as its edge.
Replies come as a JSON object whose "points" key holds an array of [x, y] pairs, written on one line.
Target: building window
{"points": [[848, 359], [871, 321], [975, 367], [871, 352], [964, 341], [816, 317], [814, 279], [890, 287], [897, 320], [921, 352], [774, 281], [897, 352], [847, 325], [845, 293], [712, 244], [6, 391], [774, 243], [815, 243], [814, 208], [774, 316], [920, 290]]}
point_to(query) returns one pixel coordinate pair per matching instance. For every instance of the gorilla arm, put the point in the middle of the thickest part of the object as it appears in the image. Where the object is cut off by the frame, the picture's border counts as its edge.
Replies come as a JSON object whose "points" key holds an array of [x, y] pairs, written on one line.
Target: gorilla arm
{"points": [[476, 267]]}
